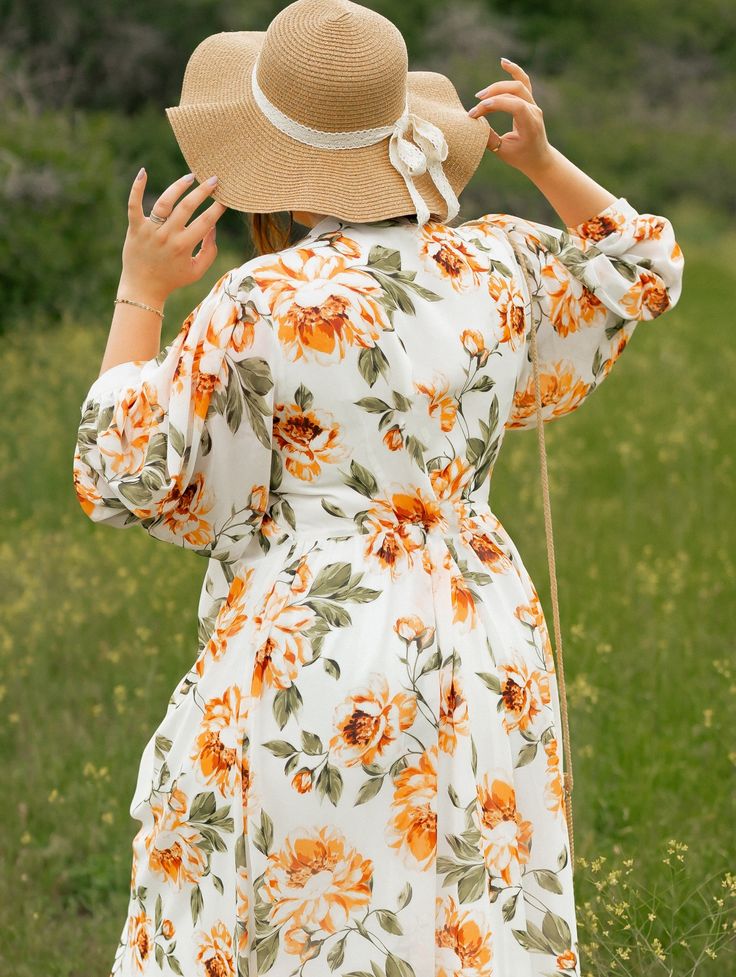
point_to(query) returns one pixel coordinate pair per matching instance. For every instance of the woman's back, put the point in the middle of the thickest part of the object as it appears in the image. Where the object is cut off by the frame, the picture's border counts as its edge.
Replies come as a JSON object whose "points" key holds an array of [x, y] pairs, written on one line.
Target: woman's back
{"points": [[364, 759]]}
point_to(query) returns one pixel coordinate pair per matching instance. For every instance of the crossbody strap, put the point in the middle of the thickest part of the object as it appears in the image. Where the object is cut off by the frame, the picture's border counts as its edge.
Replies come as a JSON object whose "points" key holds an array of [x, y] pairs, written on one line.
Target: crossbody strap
{"points": [[567, 757]]}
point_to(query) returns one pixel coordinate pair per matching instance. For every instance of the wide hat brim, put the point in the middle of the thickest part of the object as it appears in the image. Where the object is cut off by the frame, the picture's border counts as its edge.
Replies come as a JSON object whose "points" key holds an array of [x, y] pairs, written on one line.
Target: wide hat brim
{"points": [[221, 131]]}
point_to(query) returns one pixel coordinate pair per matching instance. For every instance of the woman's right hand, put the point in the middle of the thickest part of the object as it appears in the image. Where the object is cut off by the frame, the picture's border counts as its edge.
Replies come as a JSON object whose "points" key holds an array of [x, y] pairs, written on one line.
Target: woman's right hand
{"points": [[157, 258], [526, 147]]}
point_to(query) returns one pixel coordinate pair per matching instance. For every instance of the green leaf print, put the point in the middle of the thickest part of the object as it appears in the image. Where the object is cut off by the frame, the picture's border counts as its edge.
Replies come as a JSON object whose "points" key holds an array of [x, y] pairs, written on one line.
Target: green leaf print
{"points": [[361, 480], [472, 884], [303, 397], [389, 922], [263, 835], [548, 880], [196, 903], [372, 363], [331, 580], [330, 783]]}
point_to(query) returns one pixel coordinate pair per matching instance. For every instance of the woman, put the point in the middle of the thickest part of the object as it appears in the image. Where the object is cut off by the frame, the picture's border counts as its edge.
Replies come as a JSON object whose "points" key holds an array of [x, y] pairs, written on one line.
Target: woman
{"points": [[362, 771]]}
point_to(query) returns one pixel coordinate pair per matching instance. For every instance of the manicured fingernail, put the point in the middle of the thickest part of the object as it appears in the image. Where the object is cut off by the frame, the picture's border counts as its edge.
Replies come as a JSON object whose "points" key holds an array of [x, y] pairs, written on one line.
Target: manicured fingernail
{"points": [[212, 181], [188, 177], [141, 171], [481, 92], [506, 61], [472, 111]]}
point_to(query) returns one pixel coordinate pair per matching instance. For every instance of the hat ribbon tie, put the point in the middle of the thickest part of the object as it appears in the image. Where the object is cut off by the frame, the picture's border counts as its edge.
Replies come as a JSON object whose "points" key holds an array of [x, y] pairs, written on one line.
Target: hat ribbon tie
{"points": [[424, 154]]}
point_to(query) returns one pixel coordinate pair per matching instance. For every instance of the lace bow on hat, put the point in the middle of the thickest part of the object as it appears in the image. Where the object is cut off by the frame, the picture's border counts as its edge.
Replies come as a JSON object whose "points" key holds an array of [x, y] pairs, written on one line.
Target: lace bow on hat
{"points": [[424, 154]]}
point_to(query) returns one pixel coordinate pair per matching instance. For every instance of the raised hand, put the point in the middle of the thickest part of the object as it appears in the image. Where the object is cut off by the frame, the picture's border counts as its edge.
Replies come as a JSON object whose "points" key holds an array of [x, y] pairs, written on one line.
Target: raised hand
{"points": [[526, 146], [157, 258]]}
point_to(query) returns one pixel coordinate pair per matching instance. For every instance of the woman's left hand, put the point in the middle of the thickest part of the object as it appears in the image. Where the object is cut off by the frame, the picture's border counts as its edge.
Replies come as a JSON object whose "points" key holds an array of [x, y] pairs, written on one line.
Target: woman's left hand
{"points": [[157, 258], [525, 147]]}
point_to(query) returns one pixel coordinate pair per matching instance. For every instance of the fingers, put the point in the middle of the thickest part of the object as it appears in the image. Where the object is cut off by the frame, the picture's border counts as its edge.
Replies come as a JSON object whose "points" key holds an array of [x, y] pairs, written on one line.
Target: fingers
{"points": [[522, 111], [202, 224], [508, 87], [135, 200], [186, 207], [516, 72], [165, 203], [206, 254]]}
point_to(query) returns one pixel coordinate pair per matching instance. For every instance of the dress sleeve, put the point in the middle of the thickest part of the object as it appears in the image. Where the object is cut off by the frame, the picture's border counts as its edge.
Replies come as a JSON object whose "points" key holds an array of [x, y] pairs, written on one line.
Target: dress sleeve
{"points": [[587, 287], [181, 444]]}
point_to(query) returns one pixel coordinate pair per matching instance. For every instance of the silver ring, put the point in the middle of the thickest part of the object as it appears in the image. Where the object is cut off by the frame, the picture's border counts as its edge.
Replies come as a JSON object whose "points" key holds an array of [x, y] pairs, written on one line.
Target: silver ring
{"points": [[156, 219]]}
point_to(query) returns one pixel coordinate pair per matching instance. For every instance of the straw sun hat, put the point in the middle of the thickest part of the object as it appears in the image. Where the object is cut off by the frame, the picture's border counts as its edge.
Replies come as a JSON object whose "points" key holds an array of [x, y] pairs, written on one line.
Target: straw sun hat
{"points": [[321, 113]]}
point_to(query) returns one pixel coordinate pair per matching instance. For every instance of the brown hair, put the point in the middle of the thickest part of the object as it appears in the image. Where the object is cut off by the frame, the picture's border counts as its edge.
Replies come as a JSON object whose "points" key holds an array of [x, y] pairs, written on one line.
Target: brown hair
{"points": [[267, 232]]}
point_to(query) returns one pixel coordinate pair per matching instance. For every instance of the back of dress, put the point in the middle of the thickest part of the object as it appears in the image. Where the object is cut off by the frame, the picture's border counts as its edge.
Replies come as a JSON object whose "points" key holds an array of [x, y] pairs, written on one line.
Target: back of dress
{"points": [[371, 725]]}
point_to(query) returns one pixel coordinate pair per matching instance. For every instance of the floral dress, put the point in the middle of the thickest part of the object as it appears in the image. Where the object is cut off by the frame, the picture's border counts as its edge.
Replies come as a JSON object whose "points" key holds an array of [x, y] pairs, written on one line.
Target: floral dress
{"points": [[361, 772]]}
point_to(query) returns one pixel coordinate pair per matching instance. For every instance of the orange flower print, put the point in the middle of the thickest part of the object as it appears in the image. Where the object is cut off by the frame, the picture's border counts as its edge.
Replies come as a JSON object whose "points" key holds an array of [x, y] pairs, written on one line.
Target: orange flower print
{"points": [[308, 439], [140, 939], [450, 482], [303, 577], [561, 389], [488, 551], [572, 306], [442, 406], [445, 253], [390, 528], [464, 941], [124, 442], [525, 692], [533, 615], [454, 718], [286, 648], [216, 747], [509, 302], [215, 951], [474, 344], [298, 942], [303, 780], [242, 337], [167, 929], [87, 493], [554, 796], [185, 520], [596, 228], [567, 960], [393, 438], [412, 827], [506, 835], [647, 298], [321, 305], [463, 602], [316, 880], [618, 346], [247, 789], [412, 628], [231, 618], [173, 845], [368, 722], [242, 888]]}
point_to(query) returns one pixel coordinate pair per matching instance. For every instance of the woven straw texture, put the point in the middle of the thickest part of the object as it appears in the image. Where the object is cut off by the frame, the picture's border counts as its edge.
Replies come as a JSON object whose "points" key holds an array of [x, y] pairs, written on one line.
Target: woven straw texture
{"points": [[332, 65]]}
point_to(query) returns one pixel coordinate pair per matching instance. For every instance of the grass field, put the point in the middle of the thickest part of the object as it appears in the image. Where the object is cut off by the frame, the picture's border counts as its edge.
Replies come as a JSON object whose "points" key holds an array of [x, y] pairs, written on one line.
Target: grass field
{"points": [[98, 625]]}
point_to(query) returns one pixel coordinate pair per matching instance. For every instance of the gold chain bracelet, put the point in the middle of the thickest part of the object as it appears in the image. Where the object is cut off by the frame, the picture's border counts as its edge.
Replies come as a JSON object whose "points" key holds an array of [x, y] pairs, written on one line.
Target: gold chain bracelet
{"points": [[141, 305]]}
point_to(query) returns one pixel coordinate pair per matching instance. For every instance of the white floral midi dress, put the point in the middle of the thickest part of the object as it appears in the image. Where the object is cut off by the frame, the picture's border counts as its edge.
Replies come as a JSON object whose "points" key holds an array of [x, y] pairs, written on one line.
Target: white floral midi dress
{"points": [[361, 772]]}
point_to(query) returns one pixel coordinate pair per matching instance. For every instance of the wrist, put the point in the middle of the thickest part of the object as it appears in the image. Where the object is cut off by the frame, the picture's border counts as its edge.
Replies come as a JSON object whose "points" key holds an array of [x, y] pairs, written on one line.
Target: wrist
{"points": [[537, 169], [129, 288]]}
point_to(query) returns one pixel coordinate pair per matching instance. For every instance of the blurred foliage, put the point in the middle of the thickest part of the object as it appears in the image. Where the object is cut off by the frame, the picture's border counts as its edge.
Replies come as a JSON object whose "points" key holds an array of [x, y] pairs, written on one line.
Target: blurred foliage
{"points": [[638, 95]]}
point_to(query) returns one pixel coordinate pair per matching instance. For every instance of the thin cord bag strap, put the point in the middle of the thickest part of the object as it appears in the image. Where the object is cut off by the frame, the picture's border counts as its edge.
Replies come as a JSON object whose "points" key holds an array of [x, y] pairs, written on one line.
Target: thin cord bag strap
{"points": [[567, 777]]}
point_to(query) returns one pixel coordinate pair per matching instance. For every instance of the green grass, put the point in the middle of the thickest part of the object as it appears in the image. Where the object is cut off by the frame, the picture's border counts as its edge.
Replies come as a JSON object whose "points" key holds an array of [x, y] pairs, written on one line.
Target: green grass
{"points": [[98, 625]]}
